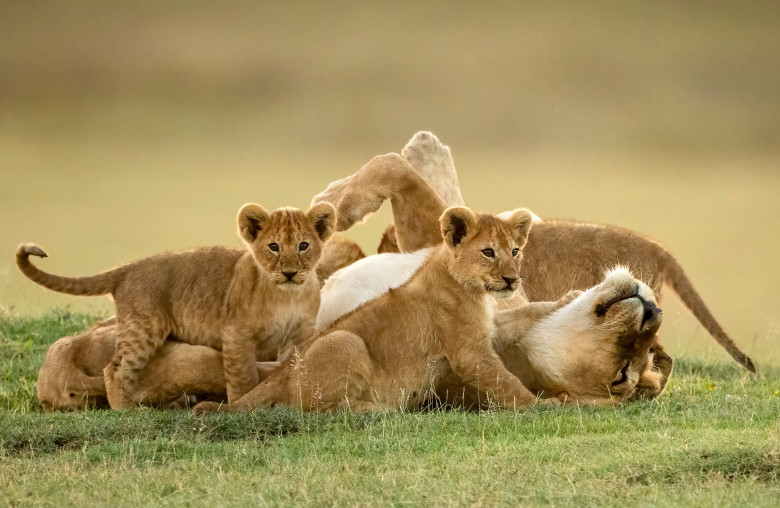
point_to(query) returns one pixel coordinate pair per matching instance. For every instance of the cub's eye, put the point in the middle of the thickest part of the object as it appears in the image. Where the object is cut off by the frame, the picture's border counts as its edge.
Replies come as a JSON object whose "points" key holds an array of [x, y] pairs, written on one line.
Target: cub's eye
{"points": [[274, 247], [488, 253], [303, 246], [515, 251], [623, 376]]}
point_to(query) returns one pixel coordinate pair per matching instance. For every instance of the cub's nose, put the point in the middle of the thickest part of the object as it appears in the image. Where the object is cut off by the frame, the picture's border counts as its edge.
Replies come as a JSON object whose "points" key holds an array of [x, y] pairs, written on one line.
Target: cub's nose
{"points": [[509, 280], [290, 275]]}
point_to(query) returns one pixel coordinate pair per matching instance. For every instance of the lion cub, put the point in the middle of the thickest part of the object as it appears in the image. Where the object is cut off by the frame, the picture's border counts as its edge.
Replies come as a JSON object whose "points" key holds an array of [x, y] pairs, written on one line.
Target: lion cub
{"points": [[251, 303], [389, 352]]}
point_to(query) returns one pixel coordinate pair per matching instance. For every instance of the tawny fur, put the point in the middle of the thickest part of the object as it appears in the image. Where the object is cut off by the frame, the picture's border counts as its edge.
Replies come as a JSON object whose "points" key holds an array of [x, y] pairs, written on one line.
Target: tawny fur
{"points": [[389, 352], [560, 255], [574, 353], [337, 253], [248, 303], [71, 376]]}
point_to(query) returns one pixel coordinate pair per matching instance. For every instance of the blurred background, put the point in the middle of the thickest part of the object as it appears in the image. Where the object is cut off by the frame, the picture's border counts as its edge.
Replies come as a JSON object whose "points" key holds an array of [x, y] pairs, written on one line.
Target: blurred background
{"points": [[131, 128]]}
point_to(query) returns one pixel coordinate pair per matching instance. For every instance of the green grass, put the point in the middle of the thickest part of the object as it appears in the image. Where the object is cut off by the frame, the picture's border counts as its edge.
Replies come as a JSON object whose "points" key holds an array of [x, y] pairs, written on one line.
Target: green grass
{"points": [[712, 438], [130, 129]]}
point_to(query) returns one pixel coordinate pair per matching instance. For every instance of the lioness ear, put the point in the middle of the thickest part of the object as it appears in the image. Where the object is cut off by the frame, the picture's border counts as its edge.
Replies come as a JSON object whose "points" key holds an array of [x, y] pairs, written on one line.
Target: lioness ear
{"points": [[520, 221], [456, 224], [663, 364], [252, 219], [323, 219], [652, 381]]}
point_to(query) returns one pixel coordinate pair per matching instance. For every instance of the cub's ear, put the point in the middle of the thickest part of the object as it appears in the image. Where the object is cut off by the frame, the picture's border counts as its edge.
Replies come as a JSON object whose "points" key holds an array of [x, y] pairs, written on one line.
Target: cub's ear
{"points": [[457, 223], [252, 219], [520, 221], [323, 219]]}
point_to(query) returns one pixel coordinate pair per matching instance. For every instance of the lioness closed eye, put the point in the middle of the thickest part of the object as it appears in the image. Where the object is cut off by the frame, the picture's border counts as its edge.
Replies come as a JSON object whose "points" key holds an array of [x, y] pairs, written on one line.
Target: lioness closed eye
{"points": [[252, 302]]}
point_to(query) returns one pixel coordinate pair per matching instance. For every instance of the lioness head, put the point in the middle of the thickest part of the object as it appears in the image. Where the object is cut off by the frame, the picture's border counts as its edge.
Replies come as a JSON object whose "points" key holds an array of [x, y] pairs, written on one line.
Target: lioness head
{"points": [[602, 345], [287, 243], [486, 250]]}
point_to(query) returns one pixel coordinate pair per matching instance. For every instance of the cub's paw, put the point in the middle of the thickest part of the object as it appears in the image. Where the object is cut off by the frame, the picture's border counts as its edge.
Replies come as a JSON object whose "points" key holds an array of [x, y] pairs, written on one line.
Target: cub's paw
{"points": [[115, 393], [208, 407]]}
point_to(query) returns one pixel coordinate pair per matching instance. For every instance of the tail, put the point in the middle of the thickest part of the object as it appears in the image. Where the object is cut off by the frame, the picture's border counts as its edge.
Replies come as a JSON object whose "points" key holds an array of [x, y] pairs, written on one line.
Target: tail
{"points": [[675, 276], [83, 286]]}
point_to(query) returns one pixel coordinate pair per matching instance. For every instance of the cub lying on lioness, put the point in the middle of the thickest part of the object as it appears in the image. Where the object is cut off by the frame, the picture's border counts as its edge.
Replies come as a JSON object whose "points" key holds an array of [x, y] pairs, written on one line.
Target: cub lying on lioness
{"points": [[251, 302], [389, 352], [560, 255], [593, 347]]}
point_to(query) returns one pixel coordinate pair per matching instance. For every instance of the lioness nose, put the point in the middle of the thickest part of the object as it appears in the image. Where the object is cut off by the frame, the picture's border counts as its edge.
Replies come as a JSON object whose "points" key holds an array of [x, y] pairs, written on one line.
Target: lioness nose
{"points": [[290, 275], [509, 280], [650, 312]]}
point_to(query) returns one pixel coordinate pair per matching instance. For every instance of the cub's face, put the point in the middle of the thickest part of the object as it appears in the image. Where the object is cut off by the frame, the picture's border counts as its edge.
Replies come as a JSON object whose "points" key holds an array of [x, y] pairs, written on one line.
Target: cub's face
{"points": [[486, 250], [287, 243], [604, 342], [71, 376]]}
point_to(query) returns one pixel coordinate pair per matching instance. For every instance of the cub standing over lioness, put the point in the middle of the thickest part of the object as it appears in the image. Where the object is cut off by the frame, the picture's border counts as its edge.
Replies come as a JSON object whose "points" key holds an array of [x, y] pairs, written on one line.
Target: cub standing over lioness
{"points": [[248, 302], [388, 353]]}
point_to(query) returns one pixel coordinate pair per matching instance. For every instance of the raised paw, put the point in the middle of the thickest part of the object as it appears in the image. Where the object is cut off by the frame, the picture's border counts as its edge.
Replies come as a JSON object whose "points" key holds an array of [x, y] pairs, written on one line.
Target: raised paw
{"points": [[433, 161]]}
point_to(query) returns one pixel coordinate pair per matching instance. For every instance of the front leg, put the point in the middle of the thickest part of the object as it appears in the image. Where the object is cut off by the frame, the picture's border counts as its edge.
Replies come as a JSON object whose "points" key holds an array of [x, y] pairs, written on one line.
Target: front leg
{"points": [[238, 355], [478, 366]]}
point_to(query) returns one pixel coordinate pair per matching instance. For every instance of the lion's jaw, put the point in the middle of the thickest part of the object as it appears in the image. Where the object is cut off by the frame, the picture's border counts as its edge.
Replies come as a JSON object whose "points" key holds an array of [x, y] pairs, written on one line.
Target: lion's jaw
{"points": [[596, 346]]}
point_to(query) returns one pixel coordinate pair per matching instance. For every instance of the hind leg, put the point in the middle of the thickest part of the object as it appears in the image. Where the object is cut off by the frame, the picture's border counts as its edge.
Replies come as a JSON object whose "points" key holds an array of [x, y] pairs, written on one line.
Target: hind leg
{"points": [[334, 372], [135, 344]]}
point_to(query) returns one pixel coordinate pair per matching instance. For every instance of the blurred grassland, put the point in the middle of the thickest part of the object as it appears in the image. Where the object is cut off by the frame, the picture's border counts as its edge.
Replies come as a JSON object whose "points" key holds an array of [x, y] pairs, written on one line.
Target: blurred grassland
{"points": [[127, 129]]}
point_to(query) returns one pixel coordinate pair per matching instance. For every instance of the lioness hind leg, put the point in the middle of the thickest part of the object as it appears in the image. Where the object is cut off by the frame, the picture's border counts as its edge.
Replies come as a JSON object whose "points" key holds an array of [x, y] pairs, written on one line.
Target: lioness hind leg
{"points": [[433, 161], [135, 344]]}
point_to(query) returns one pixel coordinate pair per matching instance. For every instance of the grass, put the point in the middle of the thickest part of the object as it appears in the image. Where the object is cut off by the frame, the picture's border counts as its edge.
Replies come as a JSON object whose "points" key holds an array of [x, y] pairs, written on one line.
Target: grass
{"points": [[130, 129], [126, 130], [712, 438]]}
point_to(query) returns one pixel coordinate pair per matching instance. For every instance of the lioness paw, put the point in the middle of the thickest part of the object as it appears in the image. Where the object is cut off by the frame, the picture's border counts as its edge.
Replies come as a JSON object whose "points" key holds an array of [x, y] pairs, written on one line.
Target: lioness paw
{"points": [[433, 161]]}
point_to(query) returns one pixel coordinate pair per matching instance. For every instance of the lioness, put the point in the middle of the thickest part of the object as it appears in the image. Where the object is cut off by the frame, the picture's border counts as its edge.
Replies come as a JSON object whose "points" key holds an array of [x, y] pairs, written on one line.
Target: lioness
{"points": [[560, 255], [246, 302], [598, 349], [387, 353]]}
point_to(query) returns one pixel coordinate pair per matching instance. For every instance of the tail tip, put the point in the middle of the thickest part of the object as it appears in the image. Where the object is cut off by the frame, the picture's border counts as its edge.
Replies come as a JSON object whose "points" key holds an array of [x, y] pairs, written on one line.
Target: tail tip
{"points": [[748, 363], [30, 249]]}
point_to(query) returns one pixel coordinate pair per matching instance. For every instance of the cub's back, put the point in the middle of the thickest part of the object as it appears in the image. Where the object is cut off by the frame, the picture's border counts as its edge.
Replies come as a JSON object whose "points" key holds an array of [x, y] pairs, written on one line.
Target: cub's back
{"points": [[172, 282]]}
